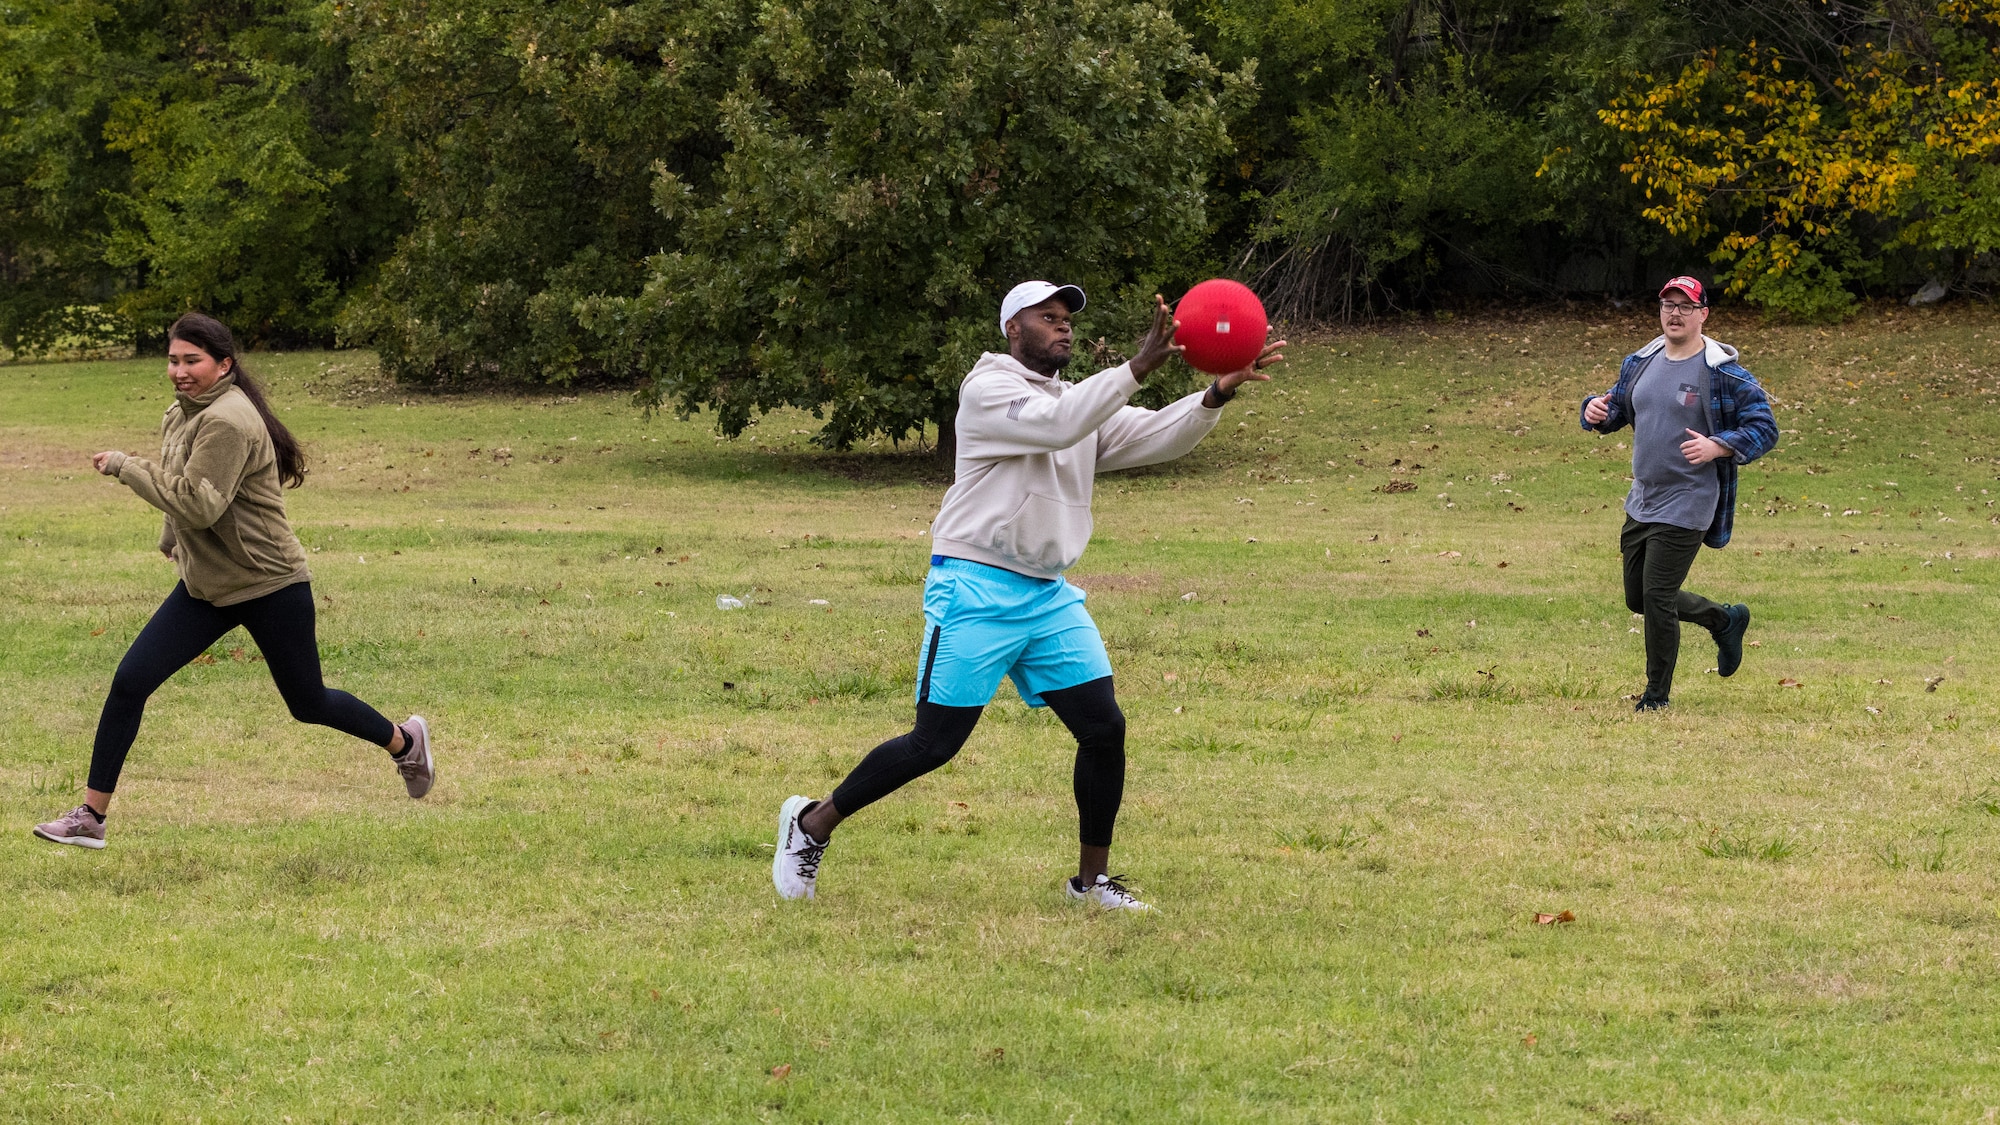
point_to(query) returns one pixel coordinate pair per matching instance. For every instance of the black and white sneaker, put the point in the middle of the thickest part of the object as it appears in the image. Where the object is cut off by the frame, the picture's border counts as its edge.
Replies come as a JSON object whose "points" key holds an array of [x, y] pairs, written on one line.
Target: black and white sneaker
{"points": [[795, 868], [1107, 893]]}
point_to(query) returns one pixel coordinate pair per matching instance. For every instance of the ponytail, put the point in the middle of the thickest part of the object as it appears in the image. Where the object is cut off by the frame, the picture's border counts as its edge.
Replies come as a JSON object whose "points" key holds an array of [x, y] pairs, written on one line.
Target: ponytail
{"points": [[214, 337]]}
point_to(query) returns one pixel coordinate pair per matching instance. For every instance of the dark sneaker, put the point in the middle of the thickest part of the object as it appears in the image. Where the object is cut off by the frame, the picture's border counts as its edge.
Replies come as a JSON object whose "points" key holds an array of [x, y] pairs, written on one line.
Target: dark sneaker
{"points": [[1729, 641], [419, 770], [1109, 892], [795, 869], [1650, 705], [78, 826]]}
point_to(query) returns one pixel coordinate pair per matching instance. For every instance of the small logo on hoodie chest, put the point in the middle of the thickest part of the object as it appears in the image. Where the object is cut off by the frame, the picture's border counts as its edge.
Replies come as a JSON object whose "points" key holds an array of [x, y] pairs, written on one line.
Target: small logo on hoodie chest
{"points": [[1689, 396]]}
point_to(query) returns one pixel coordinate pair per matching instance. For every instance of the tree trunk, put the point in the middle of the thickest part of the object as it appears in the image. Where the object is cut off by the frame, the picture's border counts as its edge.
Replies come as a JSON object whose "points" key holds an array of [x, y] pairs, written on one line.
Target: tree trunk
{"points": [[947, 440]]}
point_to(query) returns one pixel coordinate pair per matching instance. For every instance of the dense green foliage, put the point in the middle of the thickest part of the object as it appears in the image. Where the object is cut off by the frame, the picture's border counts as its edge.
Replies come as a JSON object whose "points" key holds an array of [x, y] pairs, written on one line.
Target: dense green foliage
{"points": [[692, 194], [739, 206], [159, 156]]}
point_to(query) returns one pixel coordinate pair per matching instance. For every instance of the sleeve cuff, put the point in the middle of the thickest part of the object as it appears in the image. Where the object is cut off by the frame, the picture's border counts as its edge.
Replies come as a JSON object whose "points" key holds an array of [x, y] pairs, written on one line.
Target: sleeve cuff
{"points": [[114, 464]]}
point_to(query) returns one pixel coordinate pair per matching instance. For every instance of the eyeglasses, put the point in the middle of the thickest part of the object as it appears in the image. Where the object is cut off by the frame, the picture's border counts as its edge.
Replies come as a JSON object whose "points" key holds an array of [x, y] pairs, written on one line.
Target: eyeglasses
{"points": [[1671, 307]]}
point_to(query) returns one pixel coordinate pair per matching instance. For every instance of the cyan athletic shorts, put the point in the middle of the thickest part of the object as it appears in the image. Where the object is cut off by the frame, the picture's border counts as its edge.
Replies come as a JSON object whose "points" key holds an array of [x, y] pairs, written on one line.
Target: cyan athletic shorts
{"points": [[982, 622]]}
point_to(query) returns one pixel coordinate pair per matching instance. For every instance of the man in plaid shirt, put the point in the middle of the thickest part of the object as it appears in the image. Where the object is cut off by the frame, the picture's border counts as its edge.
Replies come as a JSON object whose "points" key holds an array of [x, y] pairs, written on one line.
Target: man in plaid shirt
{"points": [[1696, 415]]}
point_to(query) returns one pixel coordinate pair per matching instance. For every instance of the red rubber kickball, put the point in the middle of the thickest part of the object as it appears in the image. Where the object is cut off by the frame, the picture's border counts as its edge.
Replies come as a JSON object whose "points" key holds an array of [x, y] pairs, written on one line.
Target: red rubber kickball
{"points": [[1222, 326]]}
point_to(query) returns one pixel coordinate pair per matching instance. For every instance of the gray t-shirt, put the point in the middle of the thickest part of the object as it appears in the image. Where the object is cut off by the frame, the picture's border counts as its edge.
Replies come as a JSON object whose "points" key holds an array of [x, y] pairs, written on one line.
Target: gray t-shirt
{"points": [[1669, 398]]}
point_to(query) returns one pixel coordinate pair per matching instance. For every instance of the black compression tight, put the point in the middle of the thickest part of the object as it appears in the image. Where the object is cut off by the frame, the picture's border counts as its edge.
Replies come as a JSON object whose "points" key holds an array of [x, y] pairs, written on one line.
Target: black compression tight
{"points": [[280, 623], [1089, 710]]}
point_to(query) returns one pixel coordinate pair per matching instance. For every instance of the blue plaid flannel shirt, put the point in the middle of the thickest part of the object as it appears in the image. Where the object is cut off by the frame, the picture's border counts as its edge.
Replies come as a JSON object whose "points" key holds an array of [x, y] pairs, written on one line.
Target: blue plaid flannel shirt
{"points": [[1737, 407]]}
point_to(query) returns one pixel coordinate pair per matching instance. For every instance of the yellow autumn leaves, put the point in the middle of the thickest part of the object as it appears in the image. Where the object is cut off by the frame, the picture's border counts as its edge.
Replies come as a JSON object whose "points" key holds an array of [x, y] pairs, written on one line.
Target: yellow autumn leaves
{"points": [[1779, 168]]}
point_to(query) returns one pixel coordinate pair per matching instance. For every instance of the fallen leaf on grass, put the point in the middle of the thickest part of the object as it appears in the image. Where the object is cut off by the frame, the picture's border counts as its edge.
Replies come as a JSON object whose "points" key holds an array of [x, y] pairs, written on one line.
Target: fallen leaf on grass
{"points": [[97, 632], [1881, 681], [1450, 555], [1873, 710], [1553, 919], [1423, 632], [1170, 677], [1789, 682], [781, 1072], [1931, 682], [1502, 565], [1755, 644], [1397, 486], [1529, 1040], [1188, 597], [237, 655], [204, 658]]}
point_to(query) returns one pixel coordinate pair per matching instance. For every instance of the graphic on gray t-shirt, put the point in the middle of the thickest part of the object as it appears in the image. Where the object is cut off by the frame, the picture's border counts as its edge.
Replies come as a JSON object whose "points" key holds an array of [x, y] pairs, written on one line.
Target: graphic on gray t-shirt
{"points": [[1669, 398]]}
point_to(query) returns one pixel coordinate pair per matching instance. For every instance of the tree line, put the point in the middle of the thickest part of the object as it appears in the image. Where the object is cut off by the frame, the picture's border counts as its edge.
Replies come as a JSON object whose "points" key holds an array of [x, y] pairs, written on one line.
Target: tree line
{"points": [[739, 206]]}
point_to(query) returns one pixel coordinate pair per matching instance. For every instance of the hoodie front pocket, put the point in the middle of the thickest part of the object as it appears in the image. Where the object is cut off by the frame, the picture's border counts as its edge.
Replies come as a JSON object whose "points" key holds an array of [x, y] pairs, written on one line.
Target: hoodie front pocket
{"points": [[1044, 533], [230, 534]]}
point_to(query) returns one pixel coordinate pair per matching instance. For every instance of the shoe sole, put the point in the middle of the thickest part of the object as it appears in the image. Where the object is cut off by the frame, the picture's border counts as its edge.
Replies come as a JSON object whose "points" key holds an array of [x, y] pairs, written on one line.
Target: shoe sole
{"points": [[787, 813], [78, 841], [430, 763]]}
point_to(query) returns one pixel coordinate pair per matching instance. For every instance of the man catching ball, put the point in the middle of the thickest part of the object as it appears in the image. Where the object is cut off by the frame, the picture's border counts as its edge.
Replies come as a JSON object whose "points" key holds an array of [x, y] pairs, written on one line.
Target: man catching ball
{"points": [[995, 604]]}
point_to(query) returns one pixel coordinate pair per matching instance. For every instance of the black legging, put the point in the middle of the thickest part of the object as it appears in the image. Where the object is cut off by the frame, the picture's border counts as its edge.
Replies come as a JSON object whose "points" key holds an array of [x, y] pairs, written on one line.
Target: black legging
{"points": [[282, 626], [1089, 710]]}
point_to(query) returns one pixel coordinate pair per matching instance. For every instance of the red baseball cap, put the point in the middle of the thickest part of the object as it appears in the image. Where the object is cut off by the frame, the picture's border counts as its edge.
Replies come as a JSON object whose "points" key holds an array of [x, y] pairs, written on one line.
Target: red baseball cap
{"points": [[1689, 286]]}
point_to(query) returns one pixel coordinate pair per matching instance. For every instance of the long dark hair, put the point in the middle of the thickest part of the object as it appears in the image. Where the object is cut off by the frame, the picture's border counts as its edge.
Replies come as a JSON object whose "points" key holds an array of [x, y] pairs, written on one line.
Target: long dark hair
{"points": [[213, 336]]}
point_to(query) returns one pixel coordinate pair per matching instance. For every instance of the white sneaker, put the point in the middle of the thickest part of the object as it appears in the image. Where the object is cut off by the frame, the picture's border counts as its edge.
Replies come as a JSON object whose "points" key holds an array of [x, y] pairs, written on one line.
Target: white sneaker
{"points": [[796, 866], [1109, 893]]}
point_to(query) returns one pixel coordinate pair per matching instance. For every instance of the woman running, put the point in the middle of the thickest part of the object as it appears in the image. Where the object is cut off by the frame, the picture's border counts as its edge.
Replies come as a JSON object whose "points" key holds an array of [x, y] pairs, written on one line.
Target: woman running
{"points": [[225, 461]]}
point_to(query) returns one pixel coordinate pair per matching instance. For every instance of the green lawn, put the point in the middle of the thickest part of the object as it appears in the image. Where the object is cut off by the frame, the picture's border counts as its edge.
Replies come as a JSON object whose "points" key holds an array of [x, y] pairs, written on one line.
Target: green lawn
{"points": [[1385, 732]]}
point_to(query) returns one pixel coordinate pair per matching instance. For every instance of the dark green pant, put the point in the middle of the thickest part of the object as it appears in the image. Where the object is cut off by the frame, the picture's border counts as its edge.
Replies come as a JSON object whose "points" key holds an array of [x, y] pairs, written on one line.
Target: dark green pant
{"points": [[1658, 557]]}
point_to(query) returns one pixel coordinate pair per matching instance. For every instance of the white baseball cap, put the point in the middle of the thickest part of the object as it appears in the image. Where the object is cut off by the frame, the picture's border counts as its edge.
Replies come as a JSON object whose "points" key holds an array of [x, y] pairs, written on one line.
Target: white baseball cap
{"points": [[1031, 293]]}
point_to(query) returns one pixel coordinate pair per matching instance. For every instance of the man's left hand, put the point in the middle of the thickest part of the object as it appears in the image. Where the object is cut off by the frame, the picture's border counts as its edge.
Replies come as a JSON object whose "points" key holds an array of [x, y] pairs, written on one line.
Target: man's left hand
{"points": [[1255, 371], [1700, 450]]}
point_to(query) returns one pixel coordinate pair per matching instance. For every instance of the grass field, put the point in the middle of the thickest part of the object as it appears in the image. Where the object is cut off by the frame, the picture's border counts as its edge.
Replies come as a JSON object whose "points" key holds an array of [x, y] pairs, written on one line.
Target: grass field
{"points": [[1386, 729]]}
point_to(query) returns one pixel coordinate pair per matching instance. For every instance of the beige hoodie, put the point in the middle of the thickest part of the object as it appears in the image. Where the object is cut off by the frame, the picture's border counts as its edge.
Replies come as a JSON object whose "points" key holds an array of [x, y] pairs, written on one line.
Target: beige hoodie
{"points": [[1029, 450], [217, 481]]}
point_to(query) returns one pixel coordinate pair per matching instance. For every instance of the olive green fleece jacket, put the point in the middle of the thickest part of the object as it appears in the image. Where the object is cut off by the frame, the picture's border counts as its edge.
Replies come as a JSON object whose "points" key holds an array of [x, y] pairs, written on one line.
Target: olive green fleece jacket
{"points": [[217, 481]]}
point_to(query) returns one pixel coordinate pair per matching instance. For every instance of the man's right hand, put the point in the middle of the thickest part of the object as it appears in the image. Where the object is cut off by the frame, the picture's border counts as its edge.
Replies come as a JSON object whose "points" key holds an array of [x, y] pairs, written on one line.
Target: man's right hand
{"points": [[1597, 410], [1158, 344]]}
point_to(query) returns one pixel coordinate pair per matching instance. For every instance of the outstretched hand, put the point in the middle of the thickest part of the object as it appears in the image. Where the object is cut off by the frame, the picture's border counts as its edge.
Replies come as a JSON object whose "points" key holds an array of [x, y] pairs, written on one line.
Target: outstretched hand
{"points": [[1158, 344], [1254, 371]]}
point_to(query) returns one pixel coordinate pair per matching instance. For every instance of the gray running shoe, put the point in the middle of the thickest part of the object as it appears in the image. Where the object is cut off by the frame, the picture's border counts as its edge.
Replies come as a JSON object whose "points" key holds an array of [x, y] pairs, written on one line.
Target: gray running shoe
{"points": [[418, 769], [77, 826]]}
